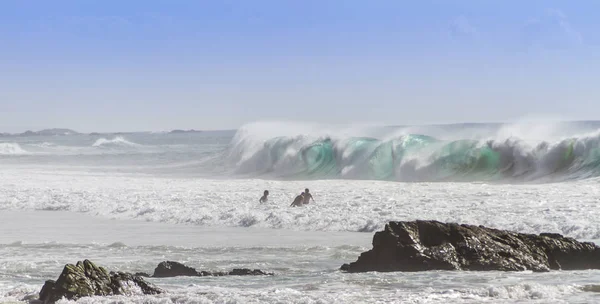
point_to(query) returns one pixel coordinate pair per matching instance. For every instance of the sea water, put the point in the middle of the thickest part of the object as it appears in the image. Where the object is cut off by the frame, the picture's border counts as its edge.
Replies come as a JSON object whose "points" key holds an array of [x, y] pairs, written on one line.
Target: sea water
{"points": [[129, 201]]}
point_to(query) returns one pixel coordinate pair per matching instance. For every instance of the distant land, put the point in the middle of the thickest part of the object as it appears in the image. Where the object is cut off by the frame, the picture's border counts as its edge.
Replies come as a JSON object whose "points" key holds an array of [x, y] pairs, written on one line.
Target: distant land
{"points": [[184, 131], [45, 132], [67, 132], [448, 126]]}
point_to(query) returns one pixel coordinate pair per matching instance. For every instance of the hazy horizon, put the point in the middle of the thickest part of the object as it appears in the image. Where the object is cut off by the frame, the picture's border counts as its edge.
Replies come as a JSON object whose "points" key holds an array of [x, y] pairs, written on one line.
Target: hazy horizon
{"points": [[156, 66], [499, 123]]}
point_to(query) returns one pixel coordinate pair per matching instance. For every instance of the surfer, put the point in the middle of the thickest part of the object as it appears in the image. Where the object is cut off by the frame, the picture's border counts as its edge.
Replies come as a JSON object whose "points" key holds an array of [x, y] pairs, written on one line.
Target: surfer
{"points": [[307, 197], [298, 200], [264, 198]]}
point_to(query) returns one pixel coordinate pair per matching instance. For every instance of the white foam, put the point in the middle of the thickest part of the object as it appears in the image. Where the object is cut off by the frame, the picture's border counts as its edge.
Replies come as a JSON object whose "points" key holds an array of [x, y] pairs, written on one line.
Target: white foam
{"points": [[12, 149], [566, 208], [342, 293], [118, 141]]}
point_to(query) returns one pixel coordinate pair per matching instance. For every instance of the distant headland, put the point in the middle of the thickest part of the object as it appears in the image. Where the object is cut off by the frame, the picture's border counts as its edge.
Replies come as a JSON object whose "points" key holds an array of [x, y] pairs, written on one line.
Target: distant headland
{"points": [[68, 132]]}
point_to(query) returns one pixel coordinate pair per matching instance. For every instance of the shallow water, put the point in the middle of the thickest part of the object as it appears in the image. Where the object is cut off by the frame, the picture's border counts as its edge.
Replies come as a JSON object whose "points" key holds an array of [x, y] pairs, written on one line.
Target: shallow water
{"points": [[100, 221]]}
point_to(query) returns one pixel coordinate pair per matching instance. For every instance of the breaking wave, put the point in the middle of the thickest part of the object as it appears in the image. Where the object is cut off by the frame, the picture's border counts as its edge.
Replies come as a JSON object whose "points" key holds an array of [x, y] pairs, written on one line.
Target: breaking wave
{"points": [[415, 157], [12, 149], [118, 141]]}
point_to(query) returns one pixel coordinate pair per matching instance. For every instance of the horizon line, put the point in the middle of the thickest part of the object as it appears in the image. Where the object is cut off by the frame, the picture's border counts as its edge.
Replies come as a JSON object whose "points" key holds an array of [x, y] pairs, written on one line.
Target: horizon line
{"points": [[235, 129]]}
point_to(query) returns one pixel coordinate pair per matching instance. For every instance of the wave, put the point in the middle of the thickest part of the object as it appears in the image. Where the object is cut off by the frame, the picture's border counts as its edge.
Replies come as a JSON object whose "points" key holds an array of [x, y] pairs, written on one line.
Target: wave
{"points": [[44, 145], [12, 149], [416, 158], [118, 141]]}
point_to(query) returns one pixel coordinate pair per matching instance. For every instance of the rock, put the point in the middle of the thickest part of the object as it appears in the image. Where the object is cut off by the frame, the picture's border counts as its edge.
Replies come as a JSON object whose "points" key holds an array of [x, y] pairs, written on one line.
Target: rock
{"points": [[123, 283], [86, 279], [246, 271], [173, 269], [432, 245], [142, 274]]}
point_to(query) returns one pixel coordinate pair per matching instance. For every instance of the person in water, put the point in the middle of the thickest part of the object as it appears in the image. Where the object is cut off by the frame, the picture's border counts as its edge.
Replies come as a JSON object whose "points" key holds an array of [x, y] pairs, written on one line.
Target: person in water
{"points": [[307, 197], [298, 201], [264, 198]]}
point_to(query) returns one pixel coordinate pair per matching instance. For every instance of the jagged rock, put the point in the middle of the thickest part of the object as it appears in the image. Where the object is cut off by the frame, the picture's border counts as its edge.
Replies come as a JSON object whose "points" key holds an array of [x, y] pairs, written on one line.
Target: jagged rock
{"points": [[121, 284], [173, 269], [142, 274], [432, 245], [86, 279]]}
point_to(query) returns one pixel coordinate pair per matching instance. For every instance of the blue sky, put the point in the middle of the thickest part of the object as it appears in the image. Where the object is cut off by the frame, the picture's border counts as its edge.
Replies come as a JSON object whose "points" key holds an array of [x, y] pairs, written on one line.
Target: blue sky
{"points": [[158, 65]]}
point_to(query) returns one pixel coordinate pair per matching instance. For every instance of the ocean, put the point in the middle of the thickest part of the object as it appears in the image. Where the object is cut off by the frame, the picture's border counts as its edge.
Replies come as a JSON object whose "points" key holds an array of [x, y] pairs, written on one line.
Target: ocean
{"points": [[128, 201]]}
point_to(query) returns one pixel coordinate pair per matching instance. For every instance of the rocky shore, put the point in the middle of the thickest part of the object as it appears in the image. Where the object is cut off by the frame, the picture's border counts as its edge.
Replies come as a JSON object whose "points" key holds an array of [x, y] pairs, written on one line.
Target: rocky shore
{"points": [[86, 279], [401, 246]]}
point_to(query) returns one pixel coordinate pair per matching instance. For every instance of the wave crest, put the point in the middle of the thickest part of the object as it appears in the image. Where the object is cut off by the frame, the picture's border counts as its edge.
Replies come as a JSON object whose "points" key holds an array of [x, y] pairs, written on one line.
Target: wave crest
{"points": [[415, 157], [12, 149], [118, 141]]}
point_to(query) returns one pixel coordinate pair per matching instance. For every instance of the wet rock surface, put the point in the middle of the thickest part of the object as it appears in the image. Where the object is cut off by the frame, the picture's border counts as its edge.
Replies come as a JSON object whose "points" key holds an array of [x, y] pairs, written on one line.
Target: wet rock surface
{"points": [[87, 279], [174, 269], [433, 245]]}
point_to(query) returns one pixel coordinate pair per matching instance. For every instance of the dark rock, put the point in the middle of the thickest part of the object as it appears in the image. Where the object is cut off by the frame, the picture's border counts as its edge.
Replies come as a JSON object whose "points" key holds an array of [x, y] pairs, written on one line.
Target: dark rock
{"points": [[142, 274], [173, 269], [121, 284], [432, 245], [86, 279], [246, 271]]}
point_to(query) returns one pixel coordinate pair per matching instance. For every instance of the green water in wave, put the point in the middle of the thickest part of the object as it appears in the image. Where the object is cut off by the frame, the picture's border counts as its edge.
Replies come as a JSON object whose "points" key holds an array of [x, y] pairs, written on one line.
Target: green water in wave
{"points": [[370, 158], [466, 158], [388, 154], [319, 159]]}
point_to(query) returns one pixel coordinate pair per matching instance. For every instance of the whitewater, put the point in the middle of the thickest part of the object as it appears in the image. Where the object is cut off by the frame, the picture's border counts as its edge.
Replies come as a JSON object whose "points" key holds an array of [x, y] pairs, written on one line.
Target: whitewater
{"points": [[128, 201]]}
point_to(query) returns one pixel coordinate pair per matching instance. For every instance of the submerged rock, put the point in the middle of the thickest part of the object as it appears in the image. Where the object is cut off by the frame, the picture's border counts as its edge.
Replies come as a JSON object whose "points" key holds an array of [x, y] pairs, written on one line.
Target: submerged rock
{"points": [[174, 269], [432, 245], [86, 279]]}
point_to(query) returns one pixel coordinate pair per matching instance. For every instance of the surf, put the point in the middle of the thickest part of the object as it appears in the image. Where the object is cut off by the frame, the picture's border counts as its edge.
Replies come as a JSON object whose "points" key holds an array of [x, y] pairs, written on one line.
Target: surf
{"points": [[413, 157], [118, 141], [10, 148]]}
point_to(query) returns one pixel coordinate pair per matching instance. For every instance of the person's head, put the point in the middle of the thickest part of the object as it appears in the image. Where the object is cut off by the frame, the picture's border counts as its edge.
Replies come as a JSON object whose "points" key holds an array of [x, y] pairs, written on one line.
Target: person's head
{"points": [[302, 194], [306, 190], [266, 192]]}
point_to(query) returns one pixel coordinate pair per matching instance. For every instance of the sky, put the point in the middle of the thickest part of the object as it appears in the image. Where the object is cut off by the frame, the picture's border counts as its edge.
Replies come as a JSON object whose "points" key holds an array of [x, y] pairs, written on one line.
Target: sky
{"points": [[158, 65]]}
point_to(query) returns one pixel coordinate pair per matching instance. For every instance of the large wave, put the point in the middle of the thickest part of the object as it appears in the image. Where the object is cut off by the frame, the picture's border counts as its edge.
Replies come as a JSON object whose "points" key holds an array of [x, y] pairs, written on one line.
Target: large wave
{"points": [[415, 157]]}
